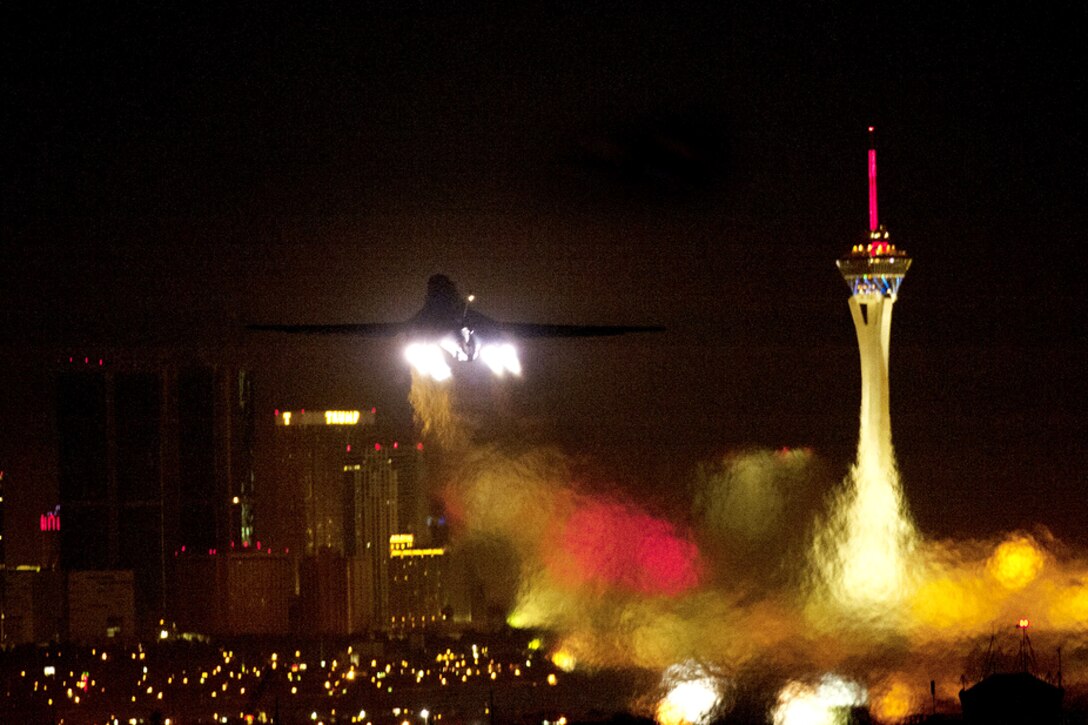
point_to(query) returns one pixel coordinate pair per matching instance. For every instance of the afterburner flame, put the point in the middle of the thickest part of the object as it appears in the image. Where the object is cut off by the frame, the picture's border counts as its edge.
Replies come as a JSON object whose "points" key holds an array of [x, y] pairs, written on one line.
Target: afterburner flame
{"points": [[501, 358], [428, 360]]}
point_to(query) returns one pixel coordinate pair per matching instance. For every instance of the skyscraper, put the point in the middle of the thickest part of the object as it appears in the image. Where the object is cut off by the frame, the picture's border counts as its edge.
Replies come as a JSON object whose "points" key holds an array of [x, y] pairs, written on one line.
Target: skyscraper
{"points": [[154, 454], [380, 490], [304, 501]]}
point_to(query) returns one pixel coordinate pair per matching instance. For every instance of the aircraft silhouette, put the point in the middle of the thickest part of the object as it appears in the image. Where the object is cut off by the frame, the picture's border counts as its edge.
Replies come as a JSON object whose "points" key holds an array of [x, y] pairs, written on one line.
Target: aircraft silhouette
{"points": [[448, 323]]}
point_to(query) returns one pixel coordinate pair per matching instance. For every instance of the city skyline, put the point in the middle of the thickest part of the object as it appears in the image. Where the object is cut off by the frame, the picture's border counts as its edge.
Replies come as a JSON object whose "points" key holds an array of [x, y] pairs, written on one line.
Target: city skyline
{"points": [[695, 170]]}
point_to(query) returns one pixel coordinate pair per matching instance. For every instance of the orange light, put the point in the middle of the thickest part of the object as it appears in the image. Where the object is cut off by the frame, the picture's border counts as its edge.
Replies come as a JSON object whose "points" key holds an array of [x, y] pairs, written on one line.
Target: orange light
{"points": [[1023, 624]]}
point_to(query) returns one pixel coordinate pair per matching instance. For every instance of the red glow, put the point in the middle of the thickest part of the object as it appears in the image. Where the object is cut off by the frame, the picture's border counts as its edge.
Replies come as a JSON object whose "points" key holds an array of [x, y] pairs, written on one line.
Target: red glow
{"points": [[277, 412], [873, 222], [349, 448], [50, 521], [377, 446], [258, 546], [183, 548], [396, 444], [617, 545], [373, 411], [419, 446]]}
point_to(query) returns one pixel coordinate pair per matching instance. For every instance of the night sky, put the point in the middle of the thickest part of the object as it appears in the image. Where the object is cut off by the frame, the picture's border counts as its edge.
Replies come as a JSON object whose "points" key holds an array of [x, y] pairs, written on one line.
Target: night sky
{"points": [[171, 173]]}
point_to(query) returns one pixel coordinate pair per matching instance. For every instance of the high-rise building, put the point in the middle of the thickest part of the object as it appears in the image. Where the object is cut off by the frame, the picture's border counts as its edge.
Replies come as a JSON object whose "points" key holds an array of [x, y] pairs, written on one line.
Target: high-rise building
{"points": [[304, 512], [153, 455], [417, 592], [376, 484]]}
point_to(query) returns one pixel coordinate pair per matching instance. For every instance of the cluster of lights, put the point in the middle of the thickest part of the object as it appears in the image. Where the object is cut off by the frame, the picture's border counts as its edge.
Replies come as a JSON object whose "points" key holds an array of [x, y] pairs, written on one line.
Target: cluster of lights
{"points": [[876, 249], [114, 685]]}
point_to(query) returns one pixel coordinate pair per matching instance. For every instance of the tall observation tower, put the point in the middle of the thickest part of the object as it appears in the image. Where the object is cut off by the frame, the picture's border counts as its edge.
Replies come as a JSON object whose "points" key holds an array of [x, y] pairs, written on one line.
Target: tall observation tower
{"points": [[862, 553], [874, 272]]}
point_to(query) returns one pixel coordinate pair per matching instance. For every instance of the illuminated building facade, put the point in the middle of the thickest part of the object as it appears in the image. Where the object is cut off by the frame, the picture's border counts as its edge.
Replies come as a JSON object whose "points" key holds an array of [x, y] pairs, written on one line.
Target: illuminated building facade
{"points": [[305, 499], [153, 455], [417, 592], [339, 495], [381, 492]]}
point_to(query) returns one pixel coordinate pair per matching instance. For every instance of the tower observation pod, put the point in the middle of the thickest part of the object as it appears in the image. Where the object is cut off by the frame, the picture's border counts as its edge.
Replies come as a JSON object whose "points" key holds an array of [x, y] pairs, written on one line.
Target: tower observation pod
{"points": [[874, 272]]}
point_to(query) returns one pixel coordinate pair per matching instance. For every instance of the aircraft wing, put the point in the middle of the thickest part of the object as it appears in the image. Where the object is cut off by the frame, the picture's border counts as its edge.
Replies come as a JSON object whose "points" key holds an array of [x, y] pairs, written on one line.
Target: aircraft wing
{"points": [[530, 329], [363, 329]]}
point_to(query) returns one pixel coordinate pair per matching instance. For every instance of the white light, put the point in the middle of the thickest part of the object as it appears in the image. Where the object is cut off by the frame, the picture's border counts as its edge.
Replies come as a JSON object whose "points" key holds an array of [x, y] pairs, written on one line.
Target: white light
{"points": [[502, 359], [424, 713], [428, 361], [163, 634], [824, 703]]}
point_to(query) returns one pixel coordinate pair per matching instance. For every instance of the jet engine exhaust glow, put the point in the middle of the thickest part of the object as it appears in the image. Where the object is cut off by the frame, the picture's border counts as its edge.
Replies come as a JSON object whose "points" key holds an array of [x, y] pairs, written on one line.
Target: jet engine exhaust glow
{"points": [[428, 360], [501, 358]]}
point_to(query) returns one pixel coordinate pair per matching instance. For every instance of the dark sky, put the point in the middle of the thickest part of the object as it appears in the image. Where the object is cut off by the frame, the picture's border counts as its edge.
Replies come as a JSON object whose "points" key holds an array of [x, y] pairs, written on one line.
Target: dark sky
{"points": [[171, 173]]}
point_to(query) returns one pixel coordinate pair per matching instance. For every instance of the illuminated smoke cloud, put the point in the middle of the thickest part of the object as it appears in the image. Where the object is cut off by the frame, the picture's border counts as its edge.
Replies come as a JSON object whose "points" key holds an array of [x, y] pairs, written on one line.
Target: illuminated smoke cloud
{"points": [[612, 544], [861, 558], [802, 602], [433, 410]]}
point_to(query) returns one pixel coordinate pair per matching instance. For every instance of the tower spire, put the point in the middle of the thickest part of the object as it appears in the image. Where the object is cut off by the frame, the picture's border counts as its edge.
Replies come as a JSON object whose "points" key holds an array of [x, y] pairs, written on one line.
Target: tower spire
{"points": [[874, 222]]}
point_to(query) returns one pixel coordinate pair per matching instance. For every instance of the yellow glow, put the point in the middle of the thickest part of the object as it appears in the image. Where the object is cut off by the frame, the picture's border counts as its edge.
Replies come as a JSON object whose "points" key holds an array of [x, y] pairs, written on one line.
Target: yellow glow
{"points": [[341, 417], [564, 660], [286, 417], [822, 704], [894, 704], [1016, 563], [402, 539], [948, 603], [688, 703]]}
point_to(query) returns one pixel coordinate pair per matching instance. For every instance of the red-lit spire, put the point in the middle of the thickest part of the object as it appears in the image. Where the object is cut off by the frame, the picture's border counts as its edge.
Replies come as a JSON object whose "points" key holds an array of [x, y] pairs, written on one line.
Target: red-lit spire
{"points": [[873, 221]]}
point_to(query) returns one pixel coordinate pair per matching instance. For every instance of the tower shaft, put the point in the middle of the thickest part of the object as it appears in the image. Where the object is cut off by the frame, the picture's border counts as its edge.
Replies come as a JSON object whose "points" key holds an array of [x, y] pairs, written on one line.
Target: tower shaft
{"points": [[872, 315]]}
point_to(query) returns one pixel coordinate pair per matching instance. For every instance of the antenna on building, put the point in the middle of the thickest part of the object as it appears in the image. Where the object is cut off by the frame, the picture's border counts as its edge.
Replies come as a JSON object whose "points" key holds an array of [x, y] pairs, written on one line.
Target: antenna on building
{"points": [[874, 221]]}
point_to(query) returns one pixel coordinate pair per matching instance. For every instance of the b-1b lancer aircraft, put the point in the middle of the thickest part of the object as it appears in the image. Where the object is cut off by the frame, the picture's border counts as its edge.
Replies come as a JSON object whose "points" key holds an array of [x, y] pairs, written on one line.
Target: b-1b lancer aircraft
{"points": [[447, 325]]}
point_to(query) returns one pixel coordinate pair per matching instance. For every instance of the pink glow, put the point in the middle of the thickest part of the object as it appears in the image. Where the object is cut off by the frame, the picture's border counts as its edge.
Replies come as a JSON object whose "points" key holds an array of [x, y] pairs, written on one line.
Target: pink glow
{"points": [[619, 546], [50, 522], [873, 223]]}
